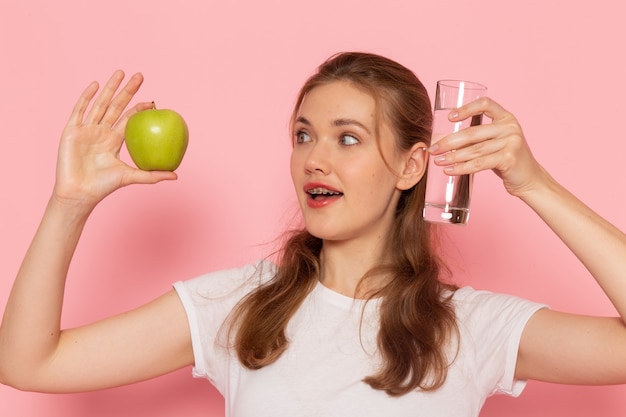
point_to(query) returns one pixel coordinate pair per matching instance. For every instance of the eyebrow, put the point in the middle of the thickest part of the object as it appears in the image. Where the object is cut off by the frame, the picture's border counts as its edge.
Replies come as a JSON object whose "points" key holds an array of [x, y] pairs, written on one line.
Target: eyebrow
{"points": [[337, 123]]}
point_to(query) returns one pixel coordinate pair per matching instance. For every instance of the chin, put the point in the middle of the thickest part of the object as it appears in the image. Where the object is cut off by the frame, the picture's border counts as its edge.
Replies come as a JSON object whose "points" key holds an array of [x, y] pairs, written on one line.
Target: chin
{"points": [[317, 233], [324, 234]]}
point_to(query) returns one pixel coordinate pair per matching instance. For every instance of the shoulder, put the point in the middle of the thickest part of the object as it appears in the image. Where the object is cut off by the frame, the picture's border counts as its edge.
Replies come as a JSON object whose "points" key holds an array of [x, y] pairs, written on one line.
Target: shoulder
{"points": [[227, 283], [481, 308], [469, 298]]}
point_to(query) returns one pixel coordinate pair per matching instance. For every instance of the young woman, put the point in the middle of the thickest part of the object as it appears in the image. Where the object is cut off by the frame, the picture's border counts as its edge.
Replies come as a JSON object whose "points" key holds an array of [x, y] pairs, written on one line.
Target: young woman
{"points": [[354, 319]]}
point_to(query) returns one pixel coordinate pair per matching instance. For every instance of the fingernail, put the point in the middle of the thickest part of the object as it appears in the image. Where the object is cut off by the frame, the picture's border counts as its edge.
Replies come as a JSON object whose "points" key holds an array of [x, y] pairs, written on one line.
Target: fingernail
{"points": [[453, 115], [433, 148], [440, 158]]}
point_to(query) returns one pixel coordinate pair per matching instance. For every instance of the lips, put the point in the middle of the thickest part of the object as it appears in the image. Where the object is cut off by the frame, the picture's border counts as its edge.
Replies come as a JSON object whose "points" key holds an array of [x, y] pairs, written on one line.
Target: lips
{"points": [[321, 195]]}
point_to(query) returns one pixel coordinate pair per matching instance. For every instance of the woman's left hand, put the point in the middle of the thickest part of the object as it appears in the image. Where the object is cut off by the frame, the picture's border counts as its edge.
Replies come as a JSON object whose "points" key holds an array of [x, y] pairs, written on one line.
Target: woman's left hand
{"points": [[499, 146], [555, 347]]}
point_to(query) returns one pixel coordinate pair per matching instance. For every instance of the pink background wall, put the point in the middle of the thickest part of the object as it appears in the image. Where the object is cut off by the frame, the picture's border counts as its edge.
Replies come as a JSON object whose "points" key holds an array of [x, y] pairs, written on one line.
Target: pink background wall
{"points": [[233, 69]]}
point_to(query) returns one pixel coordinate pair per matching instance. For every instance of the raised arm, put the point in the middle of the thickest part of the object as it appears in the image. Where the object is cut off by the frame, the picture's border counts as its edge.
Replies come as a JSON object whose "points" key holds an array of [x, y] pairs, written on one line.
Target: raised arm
{"points": [[555, 347], [34, 353]]}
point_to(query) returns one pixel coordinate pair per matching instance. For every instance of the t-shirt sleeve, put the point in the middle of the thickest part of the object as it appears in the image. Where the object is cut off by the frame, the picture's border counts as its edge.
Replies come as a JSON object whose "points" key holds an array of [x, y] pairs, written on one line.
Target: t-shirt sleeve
{"points": [[491, 326], [208, 300]]}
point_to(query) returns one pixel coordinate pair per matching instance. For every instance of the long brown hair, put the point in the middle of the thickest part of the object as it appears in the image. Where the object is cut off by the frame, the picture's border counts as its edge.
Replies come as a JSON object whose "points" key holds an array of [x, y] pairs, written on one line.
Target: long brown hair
{"points": [[417, 320]]}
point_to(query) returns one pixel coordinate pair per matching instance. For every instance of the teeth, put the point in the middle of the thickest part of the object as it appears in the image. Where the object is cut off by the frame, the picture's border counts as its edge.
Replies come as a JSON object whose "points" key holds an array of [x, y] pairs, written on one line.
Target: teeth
{"points": [[322, 191]]}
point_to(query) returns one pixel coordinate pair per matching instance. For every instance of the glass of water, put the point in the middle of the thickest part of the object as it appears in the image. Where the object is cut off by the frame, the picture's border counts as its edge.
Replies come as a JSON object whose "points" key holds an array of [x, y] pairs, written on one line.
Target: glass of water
{"points": [[448, 197]]}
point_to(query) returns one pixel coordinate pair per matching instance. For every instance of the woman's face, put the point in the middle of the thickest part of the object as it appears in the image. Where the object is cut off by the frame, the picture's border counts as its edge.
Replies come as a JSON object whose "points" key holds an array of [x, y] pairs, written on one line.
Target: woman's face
{"points": [[345, 189]]}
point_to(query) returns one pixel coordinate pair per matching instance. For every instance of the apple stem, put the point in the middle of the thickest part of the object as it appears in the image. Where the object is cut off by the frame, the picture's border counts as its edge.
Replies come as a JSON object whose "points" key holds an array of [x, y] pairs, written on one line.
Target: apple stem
{"points": [[153, 106]]}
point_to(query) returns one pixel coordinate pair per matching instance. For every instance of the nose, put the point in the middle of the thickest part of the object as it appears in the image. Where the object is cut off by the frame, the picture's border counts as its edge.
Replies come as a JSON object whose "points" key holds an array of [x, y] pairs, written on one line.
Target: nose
{"points": [[318, 158]]}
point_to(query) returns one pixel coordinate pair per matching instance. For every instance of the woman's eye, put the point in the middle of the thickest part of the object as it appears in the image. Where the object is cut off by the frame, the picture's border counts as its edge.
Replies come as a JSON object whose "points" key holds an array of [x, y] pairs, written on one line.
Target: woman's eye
{"points": [[302, 137], [349, 140]]}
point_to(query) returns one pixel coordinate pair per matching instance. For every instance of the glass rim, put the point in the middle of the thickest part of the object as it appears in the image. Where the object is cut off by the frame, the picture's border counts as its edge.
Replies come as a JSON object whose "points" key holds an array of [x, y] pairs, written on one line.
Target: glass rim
{"points": [[468, 85]]}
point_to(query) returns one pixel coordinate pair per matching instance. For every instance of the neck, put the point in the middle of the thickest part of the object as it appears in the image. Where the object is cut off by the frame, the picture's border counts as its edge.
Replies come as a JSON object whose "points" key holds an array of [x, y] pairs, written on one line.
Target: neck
{"points": [[343, 266]]}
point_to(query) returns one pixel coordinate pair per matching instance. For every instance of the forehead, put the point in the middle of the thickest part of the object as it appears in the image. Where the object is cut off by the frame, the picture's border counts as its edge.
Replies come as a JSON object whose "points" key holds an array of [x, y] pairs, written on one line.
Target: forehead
{"points": [[339, 99]]}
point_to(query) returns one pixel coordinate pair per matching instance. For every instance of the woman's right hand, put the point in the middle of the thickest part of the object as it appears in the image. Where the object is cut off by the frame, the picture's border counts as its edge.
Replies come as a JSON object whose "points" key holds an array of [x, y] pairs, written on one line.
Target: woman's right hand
{"points": [[35, 353], [88, 165]]}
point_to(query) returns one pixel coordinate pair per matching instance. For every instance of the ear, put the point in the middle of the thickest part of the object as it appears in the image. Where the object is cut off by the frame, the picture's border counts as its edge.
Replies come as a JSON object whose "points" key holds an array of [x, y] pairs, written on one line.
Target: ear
{"points": [[414, 167]]}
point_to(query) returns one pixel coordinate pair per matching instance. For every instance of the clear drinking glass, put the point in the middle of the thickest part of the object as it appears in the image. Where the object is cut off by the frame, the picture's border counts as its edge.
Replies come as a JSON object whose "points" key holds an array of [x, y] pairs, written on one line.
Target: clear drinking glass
{"points": [[448, 197]]}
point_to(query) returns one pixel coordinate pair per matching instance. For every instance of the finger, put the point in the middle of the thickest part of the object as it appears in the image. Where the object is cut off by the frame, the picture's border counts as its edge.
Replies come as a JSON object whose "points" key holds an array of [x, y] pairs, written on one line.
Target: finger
{"points": [[120, 125], [138, 176], [465, 137], [474, 165], [102, 102], [502, 150], [78, 113], [483, 105], [121, 100], [473, 152]]}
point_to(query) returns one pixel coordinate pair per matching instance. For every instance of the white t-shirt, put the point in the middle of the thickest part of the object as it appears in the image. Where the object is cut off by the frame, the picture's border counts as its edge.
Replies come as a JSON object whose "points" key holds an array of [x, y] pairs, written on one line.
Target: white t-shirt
{"points": [[330, 352]]}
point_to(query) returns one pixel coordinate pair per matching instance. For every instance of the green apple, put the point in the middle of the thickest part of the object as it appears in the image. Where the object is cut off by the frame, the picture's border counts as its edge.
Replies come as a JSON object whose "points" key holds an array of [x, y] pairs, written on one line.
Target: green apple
{"points": [[157, 139]]}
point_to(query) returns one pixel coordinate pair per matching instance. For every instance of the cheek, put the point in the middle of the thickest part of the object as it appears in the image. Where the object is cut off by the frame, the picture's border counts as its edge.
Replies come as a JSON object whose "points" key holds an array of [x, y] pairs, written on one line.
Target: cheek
{"points": [[382, 177], [383, 186], [293, 164], [296, 170], [375, 183]]}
